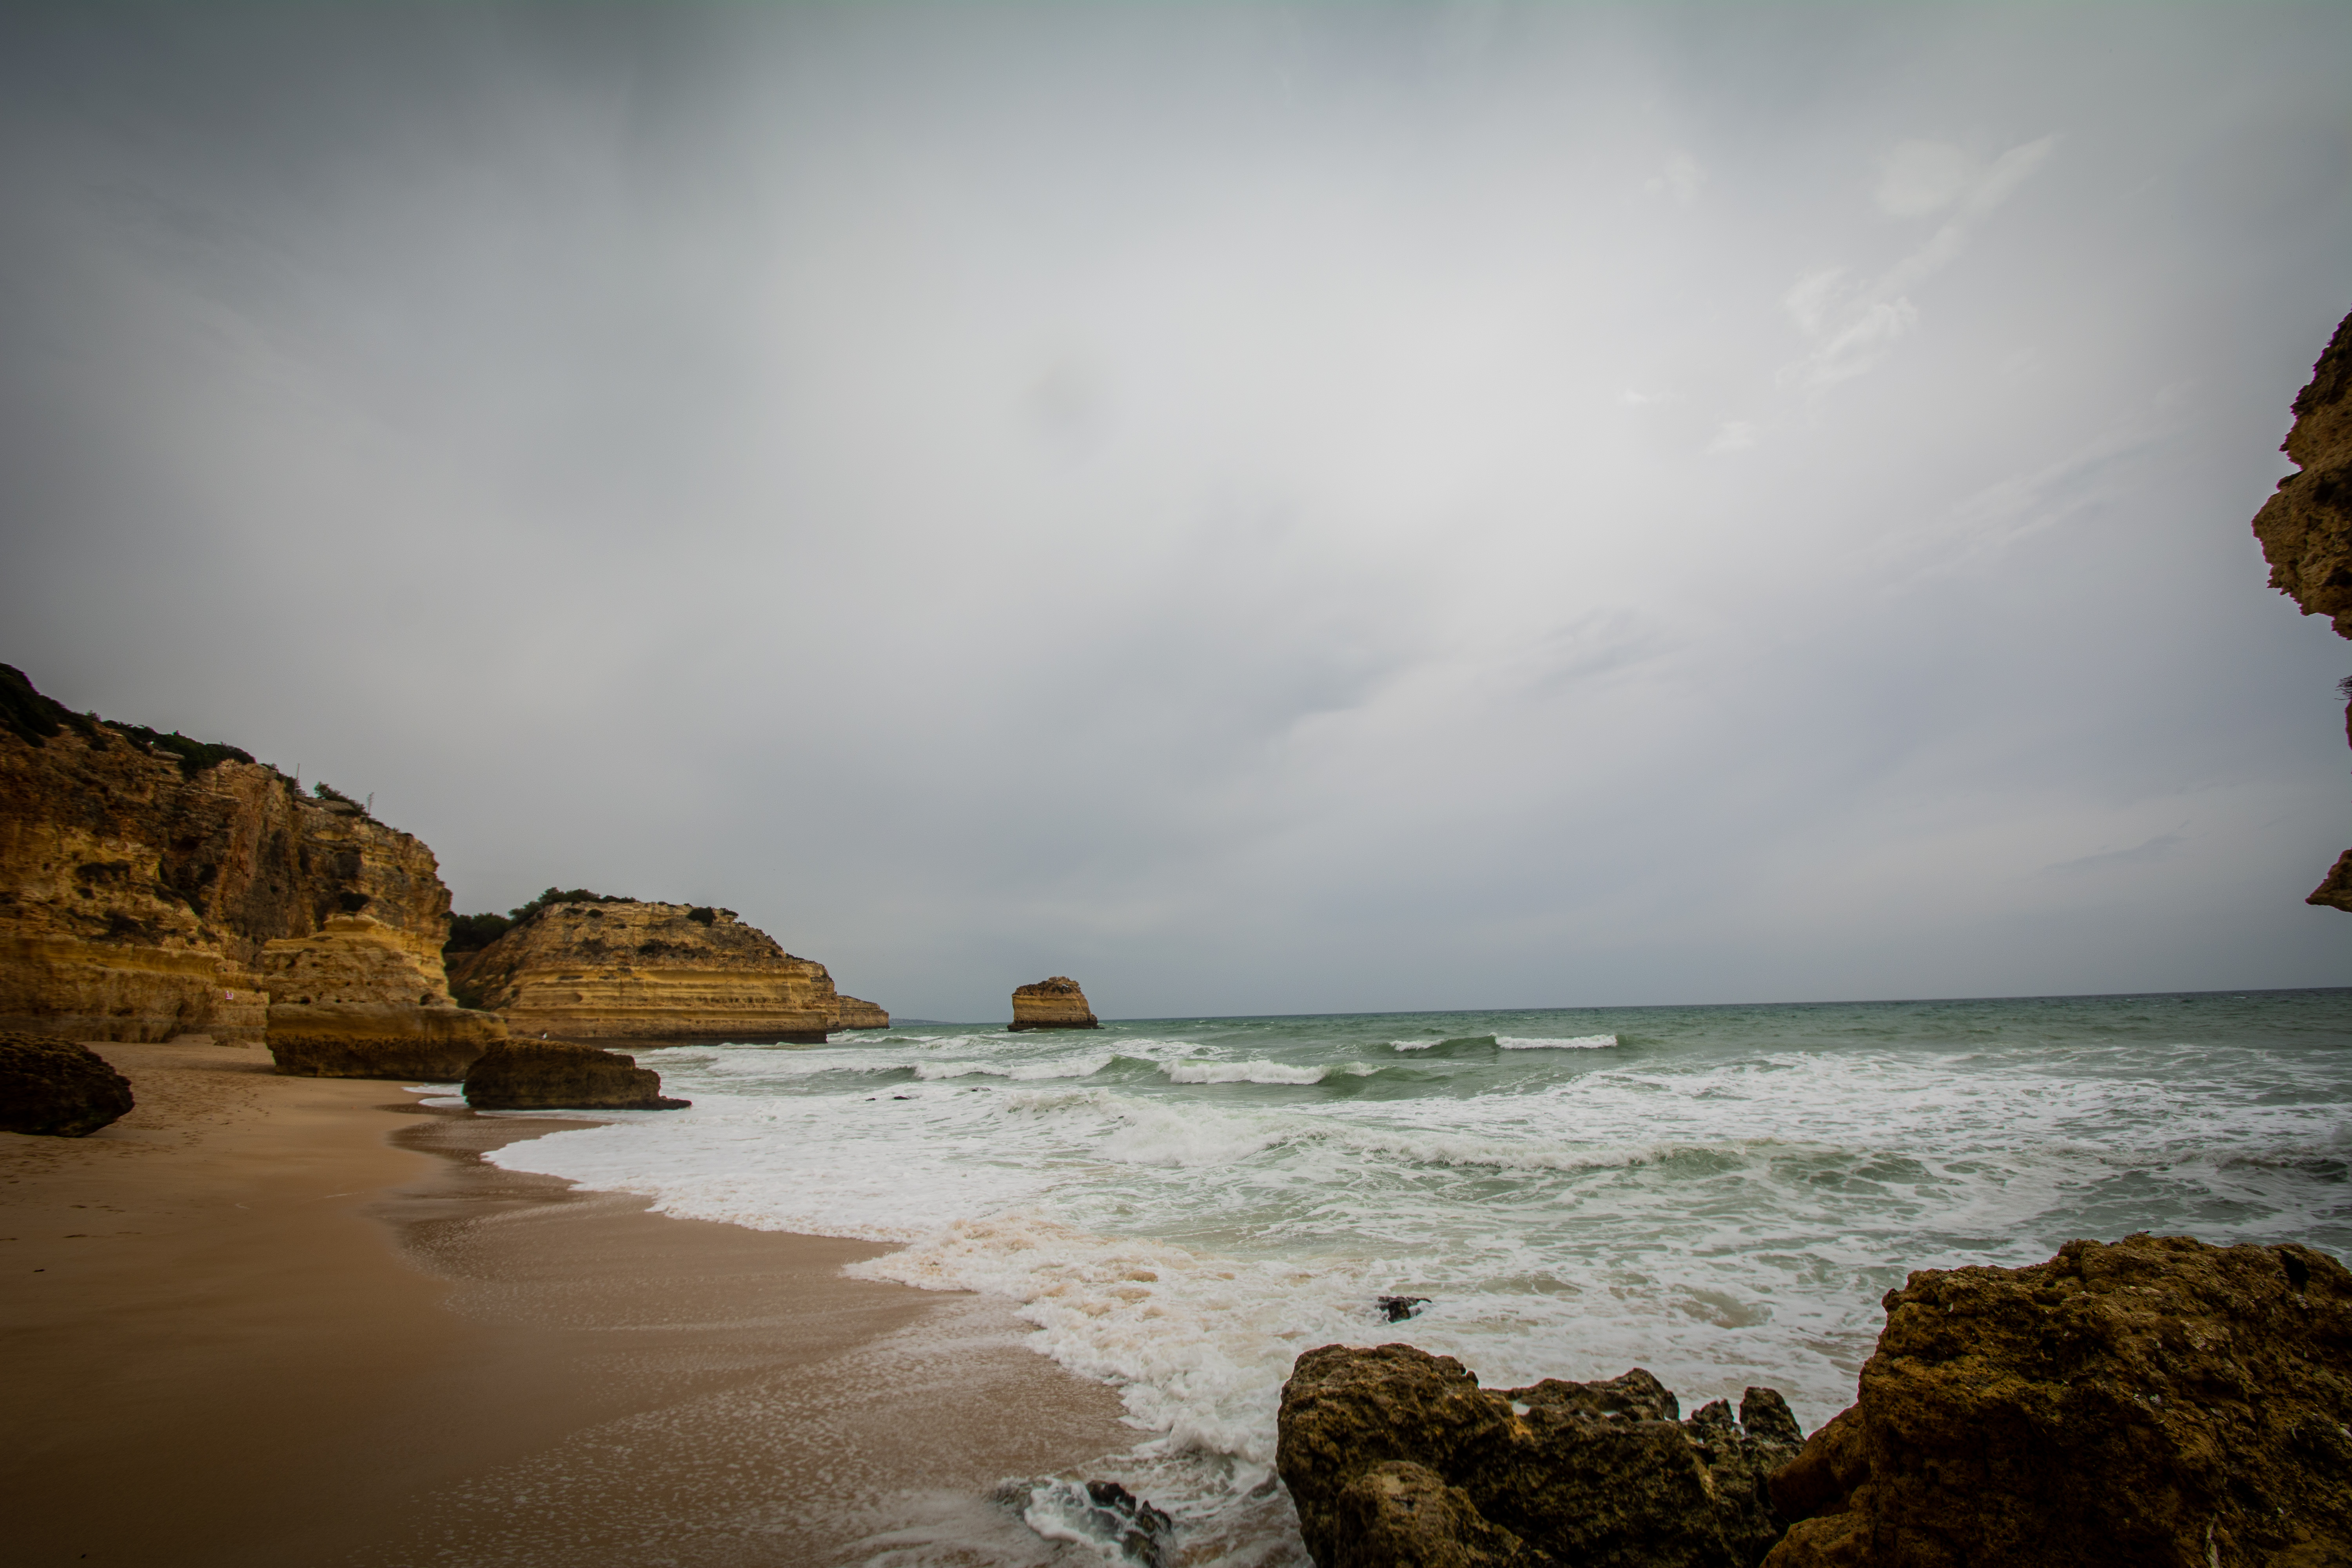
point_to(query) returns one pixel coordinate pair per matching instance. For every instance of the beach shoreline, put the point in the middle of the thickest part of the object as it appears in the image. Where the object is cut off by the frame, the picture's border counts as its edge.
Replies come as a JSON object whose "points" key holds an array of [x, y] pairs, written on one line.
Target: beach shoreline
{"points": [[265, 1319]]}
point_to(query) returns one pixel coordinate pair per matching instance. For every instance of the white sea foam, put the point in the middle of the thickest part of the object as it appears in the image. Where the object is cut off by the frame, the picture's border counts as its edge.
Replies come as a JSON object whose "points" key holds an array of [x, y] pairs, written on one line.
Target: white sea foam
{"points": [[1575, 1042], [1722, 1216], [1242, 1072]]}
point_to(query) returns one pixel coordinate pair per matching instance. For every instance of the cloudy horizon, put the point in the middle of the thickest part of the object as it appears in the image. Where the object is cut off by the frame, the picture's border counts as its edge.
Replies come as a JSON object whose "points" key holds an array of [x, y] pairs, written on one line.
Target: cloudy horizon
{"points": [[1259, 508]]}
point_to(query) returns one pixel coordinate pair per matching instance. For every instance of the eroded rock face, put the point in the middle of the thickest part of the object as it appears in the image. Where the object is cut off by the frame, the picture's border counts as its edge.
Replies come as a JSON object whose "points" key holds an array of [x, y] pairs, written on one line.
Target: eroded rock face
{"points": [[354, 1001], [138, 887], [2154, 1402], [551, 1075], [1055, 1003], [2306, 527], [56, 1088], [1395, 1456], [650, 974], [857, 1014]]}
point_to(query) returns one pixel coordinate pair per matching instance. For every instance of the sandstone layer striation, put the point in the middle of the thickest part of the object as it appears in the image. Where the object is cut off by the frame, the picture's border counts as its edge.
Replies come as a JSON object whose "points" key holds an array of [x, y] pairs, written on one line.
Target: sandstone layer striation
{"points": [[1055, 1003], [2156, 1400], [56, 1088], [2305, 528], [142, 875], [355, 1001], [649, 975], [551, 1075], [1394, 1455]]}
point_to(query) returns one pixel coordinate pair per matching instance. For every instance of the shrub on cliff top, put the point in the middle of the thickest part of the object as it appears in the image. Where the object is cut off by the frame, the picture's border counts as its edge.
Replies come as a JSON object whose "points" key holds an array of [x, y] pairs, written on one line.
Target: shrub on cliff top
{"points": [[554, 896], [31, 717], [471, 933]]}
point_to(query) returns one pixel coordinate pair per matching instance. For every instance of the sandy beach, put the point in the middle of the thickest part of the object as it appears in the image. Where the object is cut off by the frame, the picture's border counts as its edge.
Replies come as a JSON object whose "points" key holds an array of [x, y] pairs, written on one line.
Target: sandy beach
{"points": [[269, 1321]]}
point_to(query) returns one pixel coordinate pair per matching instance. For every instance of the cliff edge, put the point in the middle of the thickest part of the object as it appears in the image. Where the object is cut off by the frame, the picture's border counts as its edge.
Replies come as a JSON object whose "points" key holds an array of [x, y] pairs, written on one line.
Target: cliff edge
{"points": [[2306, 527], [142, 875], [653, 975]]}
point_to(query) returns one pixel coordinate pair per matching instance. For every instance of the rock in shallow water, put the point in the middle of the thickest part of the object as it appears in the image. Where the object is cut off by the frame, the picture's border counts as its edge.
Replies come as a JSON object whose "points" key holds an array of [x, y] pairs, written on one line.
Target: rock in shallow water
{"points": [[552, 1075], [55, 1087], [1394, 1455], [2156, 1400]]}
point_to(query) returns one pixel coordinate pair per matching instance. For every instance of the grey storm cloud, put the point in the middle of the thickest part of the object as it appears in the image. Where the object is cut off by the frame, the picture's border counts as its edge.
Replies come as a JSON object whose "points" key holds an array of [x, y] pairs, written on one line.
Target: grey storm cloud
{"points": [[1259, 508]]}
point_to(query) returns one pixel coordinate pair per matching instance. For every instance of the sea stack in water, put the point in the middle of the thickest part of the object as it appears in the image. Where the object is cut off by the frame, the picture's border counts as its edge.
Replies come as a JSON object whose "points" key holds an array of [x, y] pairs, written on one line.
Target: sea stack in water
{"points": [[56, 1088], [2155, 1401], [1395, 1456], [354, 1001], [1055, 1003], [2306, 527], [550, 1075], [622, 971], [142, 874]]}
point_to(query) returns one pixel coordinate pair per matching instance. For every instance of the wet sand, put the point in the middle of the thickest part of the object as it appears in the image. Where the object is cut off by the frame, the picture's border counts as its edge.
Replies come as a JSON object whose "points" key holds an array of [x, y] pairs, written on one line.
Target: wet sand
{"points": [[265, 1321]]}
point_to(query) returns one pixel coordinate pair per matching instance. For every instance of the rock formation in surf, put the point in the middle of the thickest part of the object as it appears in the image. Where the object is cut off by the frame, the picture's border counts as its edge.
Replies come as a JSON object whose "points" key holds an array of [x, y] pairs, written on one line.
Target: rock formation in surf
{"points": [[2306, 527], [56, 1088], [142, 875], [624, 972], [2155, 1401], [355, 1001], [552, 1075], [857, 1014], [1393, 1456], [1055, 1003]]}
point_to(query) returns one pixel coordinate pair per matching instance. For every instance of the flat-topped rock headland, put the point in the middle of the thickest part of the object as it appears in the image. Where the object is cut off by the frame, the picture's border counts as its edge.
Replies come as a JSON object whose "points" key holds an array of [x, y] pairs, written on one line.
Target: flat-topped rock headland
{"points": [[353, 1000], [629, 972], [1054, 1003], [143, 876], [2305, 528]]}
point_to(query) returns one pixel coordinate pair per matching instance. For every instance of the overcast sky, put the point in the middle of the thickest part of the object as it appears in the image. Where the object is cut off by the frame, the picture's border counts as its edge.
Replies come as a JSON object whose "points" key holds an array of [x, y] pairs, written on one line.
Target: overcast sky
{"points": [[1260, 509]]}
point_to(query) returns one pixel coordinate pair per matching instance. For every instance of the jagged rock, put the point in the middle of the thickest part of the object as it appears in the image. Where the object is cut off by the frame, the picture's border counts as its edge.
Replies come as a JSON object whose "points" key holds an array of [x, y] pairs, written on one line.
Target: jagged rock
{"points": [[856, 1014], [554, 1075], [56, 1086], [2156, 1400], [353, 1001], [2306, 527], [2335, 893], [140, 875], [650, 974], [1397, 1445], [1055, 1003]]}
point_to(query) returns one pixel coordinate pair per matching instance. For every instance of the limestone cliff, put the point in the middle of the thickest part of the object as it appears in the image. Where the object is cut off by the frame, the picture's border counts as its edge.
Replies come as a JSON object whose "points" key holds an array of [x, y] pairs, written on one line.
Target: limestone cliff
{"points": [[858, 1015], [142, 875], [1055, 1003], [650, 974], [2306, 527], [354, 1001]]}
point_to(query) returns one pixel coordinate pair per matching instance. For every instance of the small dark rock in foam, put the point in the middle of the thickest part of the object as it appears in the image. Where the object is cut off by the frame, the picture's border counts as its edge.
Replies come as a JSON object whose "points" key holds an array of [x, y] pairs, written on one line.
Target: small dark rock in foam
{"points": [[58, 1088], [1141, 1530], [2155, 1401], [1394, 1456], [1397, 1308], [552, 1075]]}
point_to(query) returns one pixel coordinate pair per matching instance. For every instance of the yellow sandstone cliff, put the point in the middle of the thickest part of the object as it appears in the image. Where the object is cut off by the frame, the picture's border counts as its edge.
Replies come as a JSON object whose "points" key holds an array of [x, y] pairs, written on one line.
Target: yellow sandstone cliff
{"points": [[2306, 527], [355, 1001], [143, 876], [654, 974], [1055, 1003]]}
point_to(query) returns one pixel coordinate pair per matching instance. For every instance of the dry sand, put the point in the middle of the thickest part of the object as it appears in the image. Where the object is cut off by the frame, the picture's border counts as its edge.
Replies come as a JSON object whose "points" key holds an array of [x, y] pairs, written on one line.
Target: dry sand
{"points": [[266, 1320]]}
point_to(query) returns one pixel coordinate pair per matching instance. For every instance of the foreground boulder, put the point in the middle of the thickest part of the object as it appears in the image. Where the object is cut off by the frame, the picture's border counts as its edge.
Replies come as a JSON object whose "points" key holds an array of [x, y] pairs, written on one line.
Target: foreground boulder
{"points": [[1397, 1457], [1055, 1003], [2156, 1400], [353, 1000], [53, 1086], [553, 1075]]}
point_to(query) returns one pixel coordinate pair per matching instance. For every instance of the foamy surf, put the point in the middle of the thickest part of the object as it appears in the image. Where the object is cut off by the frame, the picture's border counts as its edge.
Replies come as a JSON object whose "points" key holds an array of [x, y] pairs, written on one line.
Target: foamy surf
{"points": [[1179, 1211]]}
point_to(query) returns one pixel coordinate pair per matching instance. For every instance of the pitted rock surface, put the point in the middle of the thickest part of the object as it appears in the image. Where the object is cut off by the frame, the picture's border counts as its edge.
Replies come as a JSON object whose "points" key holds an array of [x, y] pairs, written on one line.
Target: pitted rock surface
{"points": [[2154, 1402], [56, 1088], [1395, 1456]]}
